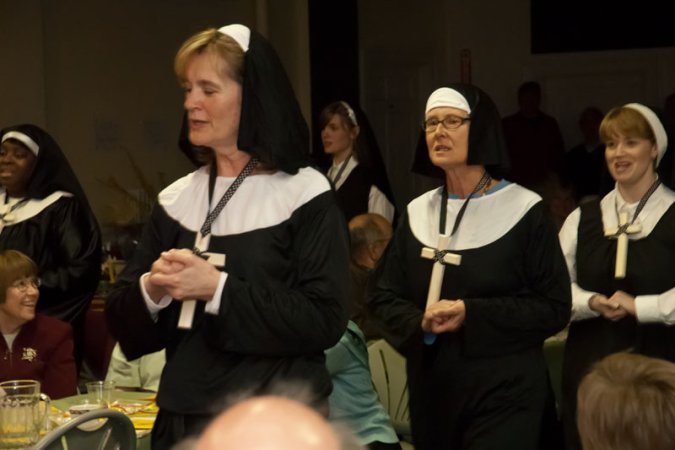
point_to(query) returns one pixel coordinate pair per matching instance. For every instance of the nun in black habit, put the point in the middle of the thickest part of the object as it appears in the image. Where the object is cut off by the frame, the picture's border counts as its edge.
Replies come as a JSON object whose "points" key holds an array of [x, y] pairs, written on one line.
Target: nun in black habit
{"points": [[257, 211], [357, 170], [476, 372], [45, 214]]}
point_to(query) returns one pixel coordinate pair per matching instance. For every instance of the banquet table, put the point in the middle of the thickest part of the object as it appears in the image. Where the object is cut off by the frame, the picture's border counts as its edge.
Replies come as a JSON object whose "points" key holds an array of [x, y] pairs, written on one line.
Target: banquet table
{"points": [[140, 407]]}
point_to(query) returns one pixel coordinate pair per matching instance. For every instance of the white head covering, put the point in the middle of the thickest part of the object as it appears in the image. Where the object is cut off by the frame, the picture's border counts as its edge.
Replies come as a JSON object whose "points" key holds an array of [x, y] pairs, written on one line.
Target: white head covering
{"points": [[24, 139], [657, 127], [446, 97], [350, 113], [239, 33]]}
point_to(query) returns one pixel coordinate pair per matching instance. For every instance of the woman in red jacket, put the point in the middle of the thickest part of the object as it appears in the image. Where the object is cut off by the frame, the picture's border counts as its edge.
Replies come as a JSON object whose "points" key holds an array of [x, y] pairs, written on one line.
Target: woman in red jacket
{"points": [[33, 346]]}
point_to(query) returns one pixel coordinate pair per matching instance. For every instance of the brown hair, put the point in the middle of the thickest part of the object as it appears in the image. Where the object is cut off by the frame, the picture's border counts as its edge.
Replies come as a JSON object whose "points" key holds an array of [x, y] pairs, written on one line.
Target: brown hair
{"points": [[626, 121], [220, 46], [14, 265], [627, 402], [340, 109]]}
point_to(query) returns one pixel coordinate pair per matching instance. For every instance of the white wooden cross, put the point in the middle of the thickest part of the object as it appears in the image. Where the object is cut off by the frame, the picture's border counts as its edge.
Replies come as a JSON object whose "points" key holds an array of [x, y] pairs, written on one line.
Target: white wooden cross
{"points": [[441, 258], [620, 233], [187, 308]]}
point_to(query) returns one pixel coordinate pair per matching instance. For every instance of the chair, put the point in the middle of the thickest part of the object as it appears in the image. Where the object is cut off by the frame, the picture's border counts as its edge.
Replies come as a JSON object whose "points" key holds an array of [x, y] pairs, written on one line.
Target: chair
{"points": [[387, 369], [102, 429]]}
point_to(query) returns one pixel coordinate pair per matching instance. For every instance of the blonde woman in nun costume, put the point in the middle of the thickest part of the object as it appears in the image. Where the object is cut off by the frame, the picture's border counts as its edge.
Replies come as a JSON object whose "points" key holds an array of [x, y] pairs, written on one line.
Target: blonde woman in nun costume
{"points": [[633, 308], [476, 371], [272, 295]]}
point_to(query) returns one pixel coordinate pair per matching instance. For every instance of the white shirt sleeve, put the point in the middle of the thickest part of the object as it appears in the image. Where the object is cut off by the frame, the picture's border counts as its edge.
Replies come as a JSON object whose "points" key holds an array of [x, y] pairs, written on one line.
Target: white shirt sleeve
{"points": [[153, 308], [656, 308], [568, 243], [213, 305], [379, 204]]}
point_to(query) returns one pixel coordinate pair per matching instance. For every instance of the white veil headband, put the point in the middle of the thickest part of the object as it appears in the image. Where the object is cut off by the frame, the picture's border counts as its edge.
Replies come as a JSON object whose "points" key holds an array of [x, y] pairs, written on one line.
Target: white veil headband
{"points": [[657, 127], [446, 97], [350, 113], [24, 139], [240, 33]]}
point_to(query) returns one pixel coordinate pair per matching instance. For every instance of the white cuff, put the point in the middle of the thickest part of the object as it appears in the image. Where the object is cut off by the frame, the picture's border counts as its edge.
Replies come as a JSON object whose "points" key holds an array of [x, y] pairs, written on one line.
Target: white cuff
{"points": [[647, 309], [153, 308], [580, 307], [213, 305]]}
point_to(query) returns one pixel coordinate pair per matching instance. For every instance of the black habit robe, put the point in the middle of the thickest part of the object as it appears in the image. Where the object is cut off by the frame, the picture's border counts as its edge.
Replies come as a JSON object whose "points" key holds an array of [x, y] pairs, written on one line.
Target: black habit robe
{"points": [[284, 300], [486, 385]]}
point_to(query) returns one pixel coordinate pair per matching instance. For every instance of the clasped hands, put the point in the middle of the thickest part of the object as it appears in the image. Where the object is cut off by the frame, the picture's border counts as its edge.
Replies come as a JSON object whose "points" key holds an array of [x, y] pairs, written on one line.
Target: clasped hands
{"points": [[444, 316], [182, 275], [614, 308]]}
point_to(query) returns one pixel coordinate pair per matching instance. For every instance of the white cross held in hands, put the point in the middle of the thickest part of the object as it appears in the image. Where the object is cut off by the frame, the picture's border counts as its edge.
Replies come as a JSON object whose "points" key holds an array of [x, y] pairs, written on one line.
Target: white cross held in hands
{"points": [[620, 233], [187, 308], [441, 258]]}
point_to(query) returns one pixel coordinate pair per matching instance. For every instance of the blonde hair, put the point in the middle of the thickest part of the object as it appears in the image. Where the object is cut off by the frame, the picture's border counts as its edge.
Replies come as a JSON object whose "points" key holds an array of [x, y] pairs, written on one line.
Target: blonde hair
{"points": [[626, 121], [14, 265], [221, 47], [627, 402]]}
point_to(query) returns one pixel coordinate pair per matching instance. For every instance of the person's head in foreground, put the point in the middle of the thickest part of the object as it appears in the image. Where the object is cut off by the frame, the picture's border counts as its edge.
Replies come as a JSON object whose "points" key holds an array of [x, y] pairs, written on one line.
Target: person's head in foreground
{"points": [[272, 422], [627, 402]]}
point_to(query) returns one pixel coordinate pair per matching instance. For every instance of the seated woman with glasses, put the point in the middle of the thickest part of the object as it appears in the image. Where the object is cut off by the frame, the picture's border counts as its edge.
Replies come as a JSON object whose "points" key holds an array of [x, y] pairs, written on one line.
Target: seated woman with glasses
{"points": [[33, 346]]}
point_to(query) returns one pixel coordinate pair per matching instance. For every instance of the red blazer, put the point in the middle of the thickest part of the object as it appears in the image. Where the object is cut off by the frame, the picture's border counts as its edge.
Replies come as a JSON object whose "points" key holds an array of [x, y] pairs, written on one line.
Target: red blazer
{"points": [[43, 351]]}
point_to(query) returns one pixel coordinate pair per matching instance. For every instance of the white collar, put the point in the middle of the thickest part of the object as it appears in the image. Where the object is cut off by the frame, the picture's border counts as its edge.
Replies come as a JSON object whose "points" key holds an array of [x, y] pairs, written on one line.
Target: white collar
{"points": [[651, 213]]}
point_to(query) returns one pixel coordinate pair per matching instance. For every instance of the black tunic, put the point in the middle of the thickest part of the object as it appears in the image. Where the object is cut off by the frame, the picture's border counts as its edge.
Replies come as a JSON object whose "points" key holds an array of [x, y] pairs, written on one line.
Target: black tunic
{"points": [[650, 262], [486, 385], [283, 303]]}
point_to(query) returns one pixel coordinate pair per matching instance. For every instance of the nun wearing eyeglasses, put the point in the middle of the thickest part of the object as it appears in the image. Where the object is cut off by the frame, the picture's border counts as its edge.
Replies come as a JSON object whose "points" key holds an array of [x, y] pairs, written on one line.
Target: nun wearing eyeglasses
{"points": [[32, 346], [242, 271], [45, 214], [472, 283]]}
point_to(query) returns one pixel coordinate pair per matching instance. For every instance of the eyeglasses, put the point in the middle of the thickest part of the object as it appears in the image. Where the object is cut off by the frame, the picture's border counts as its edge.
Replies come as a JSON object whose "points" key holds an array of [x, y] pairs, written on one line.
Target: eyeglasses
{"points": [[449, 122], [23, 284]]}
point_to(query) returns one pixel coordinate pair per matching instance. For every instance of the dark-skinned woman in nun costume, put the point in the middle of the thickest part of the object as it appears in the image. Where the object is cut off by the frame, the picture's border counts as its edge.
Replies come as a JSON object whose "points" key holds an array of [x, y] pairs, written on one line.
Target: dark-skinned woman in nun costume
{"points": [[242, 271], [45, 214], [473, 335]]}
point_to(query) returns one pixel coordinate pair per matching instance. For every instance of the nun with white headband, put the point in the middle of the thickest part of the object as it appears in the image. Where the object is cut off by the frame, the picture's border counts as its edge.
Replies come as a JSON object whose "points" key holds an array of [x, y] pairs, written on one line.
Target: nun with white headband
{"points": [[242, 271], [45, 214], [620, 252], [471, 285], [357, 170]]}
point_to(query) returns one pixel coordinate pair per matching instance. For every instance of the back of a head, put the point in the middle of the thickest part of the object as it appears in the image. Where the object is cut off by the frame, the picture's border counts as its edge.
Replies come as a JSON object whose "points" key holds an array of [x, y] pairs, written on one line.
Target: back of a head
{"points": [[366, 229], [269, 423], [627, 402]]}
